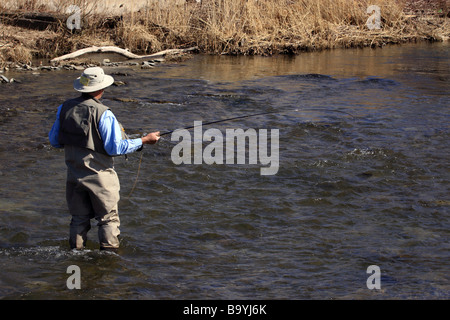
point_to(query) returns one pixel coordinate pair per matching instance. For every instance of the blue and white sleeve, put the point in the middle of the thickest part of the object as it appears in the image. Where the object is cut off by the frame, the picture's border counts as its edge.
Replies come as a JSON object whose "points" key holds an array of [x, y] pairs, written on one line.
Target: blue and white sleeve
{"points": [[54, 132], [111, 133]]}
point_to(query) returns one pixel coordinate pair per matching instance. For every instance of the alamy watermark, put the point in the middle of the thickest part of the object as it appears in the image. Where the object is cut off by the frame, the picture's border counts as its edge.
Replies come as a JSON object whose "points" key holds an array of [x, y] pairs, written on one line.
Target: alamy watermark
{"points": [[222, 149], [74, 20], [374, 21], [374, 280], [74, 281]]}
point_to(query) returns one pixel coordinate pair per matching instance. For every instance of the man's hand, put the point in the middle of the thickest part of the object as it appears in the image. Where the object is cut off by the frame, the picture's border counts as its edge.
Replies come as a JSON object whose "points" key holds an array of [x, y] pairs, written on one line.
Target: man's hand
{"points": [[151, 138]]}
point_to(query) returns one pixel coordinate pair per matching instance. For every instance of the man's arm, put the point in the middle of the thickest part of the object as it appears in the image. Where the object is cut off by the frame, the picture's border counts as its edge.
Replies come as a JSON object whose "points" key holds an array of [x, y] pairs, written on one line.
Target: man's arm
{"points": [[54, 132], [111, 133]]}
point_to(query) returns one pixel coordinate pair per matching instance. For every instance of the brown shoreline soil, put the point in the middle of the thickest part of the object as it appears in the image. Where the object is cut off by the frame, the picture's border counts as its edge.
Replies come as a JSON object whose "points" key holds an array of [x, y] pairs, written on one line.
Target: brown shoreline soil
{"points": [[422, 20]]}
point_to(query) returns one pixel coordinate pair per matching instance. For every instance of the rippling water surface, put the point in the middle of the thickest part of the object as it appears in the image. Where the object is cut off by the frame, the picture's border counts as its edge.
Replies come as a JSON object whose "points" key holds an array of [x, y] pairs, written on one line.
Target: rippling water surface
{"points": [[363, 180]]}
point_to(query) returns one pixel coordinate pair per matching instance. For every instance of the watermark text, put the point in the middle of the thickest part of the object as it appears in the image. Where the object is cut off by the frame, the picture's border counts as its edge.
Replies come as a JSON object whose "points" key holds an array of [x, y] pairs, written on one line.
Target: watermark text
{"points": [[238, 146]]}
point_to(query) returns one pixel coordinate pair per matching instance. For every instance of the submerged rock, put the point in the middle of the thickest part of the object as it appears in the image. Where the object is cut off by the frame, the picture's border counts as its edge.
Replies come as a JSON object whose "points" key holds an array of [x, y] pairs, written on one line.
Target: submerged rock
{"points": [[49, 68], [125, 100], [3, 79], [72, 67], [147, 65], [122, 74]]}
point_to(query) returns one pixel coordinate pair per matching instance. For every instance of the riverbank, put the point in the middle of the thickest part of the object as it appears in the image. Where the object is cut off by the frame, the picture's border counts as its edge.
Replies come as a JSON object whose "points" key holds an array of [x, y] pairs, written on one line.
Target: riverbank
{"points": [[219, 27]]}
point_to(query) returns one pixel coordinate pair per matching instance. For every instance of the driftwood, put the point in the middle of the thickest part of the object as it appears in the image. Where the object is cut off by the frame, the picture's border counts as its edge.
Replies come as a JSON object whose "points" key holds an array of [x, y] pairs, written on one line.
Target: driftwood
{"points": [[120, 51]]}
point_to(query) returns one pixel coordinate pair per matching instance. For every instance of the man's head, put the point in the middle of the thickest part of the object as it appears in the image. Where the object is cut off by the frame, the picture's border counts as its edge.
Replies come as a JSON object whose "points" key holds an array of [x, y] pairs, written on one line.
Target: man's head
{"points": [[93, 80]]}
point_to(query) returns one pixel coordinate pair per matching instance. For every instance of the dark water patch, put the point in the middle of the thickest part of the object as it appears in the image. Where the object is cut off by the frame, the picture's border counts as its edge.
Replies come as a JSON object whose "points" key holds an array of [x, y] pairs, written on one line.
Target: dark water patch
{"points": [[308, 76], [374, 82]]}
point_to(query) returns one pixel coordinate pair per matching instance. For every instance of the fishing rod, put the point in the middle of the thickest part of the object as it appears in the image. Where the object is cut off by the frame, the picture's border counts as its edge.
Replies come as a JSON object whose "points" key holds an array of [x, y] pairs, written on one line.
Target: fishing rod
{"points": [[219, 121], [248, 116]]}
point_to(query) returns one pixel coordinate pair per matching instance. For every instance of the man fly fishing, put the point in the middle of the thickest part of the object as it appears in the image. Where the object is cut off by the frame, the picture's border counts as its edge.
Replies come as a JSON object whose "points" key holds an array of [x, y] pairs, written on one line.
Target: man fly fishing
{"points": [[91, 137]]}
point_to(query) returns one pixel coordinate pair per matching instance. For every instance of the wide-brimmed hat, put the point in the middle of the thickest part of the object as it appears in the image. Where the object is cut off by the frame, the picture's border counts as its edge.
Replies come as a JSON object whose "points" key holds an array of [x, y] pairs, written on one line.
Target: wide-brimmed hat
{"points": [[92, 79]]}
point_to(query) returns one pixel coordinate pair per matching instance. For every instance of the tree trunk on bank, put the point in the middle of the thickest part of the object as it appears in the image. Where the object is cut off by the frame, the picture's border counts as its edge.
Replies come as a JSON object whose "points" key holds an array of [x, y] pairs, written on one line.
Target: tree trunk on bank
{"points": [[121, 51]]}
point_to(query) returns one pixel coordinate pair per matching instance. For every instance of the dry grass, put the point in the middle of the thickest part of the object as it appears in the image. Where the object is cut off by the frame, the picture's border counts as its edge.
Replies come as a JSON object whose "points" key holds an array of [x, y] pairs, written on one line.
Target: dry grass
{"points": [[285, 26], [224, 26]]}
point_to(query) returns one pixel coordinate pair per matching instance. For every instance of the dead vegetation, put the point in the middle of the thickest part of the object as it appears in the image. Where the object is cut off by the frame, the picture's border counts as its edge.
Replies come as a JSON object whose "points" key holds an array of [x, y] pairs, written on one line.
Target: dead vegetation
{"points": [[248, 27]]}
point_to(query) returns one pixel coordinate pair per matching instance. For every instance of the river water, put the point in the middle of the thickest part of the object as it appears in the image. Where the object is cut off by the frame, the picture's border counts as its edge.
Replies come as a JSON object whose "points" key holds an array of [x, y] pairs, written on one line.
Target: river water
{"points": [[363, 179]]}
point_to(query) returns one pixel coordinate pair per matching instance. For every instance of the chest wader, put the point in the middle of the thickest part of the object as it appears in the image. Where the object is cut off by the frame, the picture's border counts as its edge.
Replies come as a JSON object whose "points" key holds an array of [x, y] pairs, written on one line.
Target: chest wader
{"points": [[92, 188]]}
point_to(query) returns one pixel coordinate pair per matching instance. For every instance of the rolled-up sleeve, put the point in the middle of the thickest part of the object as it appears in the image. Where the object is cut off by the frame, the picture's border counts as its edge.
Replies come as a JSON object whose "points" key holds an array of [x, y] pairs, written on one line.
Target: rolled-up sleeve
{"points": [[111, 133]]}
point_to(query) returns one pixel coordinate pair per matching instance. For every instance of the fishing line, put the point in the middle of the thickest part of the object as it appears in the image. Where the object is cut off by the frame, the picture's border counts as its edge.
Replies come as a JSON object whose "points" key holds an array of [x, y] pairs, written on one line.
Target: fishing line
{"points": [[253, 115], [229, 119], [137, 174], [219, 121]]}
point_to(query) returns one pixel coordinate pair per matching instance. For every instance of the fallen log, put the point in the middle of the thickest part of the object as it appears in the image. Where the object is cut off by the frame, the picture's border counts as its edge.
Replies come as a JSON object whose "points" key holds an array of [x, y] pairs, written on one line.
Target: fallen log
{"points": [[126, 53], [33, 20]]}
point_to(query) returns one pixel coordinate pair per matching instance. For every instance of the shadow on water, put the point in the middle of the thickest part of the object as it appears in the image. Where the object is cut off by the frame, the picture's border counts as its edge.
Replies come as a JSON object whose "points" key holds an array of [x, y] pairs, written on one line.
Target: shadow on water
{"points": [[362, 180]]}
